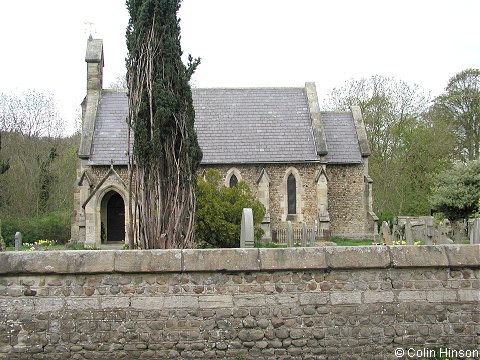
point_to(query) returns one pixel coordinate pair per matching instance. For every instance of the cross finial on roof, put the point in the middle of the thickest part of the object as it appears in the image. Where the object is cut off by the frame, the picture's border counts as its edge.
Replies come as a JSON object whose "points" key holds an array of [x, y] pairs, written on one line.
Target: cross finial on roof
{"points": [[89, 28]]}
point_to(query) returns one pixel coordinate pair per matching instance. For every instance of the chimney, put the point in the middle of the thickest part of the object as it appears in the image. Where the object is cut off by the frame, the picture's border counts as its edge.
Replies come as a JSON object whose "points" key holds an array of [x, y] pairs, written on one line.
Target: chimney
{"points": [[94, 60]]}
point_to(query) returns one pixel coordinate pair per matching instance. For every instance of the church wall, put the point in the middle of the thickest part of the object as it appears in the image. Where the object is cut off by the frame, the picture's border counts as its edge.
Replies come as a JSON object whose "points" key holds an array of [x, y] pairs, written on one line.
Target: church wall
{"points": [[85, 222], [306, 191], [347, 203], [100, 171]]}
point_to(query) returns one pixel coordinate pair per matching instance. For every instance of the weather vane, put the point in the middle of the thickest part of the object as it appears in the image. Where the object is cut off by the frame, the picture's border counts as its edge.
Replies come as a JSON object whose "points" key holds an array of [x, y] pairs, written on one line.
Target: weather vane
{"points": [[89, 28]]}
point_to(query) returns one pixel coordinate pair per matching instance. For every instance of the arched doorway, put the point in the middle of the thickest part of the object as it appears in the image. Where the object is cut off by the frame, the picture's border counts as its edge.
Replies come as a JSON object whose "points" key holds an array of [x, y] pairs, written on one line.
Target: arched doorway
{"points": [[113, 218]]}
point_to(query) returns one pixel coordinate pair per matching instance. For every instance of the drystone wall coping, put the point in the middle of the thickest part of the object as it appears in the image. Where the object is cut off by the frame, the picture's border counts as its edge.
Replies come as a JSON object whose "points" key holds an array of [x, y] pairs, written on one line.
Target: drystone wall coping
{"points": [[237, 260]]}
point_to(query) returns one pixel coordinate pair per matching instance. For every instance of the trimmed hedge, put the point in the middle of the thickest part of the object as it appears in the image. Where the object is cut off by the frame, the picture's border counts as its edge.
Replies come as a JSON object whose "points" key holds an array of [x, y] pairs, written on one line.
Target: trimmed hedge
{"points": [[51, 226]]}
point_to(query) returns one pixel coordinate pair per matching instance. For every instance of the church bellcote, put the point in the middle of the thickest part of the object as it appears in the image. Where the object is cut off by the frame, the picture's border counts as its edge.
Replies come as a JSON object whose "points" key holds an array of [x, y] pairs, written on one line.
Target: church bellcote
{"points": [[94, 60]]}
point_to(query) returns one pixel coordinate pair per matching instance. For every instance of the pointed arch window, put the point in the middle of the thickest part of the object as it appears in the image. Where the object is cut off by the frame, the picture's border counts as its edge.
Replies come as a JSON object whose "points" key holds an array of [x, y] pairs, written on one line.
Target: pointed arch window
{"points": [[292, 194], [232, 178], [233, 181]]}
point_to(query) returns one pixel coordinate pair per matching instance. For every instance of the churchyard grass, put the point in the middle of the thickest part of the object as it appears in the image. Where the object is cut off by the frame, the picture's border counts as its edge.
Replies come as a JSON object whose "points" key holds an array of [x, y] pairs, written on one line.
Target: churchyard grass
{"points": [[337, 240], [47, 245], [351, 242], [259, 244]]}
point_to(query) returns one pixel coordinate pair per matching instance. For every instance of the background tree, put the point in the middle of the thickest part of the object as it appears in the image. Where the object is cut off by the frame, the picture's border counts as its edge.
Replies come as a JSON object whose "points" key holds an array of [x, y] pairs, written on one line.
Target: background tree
{"points": [[219, 211], [31, 113], [36, 191], [460, 107], [30, 126], [456, 194], [166, 153], [4, 164], [120, 83], [407, 144]]}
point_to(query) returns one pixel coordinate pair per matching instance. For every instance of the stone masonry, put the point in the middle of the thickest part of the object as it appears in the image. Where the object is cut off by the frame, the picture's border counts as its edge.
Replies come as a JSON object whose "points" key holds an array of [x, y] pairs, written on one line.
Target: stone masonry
{"points": [[347, 203], [306, 196], [302, 303]]}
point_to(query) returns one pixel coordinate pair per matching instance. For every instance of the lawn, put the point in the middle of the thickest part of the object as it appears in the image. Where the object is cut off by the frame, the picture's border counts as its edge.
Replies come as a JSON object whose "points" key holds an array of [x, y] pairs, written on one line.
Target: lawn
{"points": [[351, 242], [46, 245], [338, 241]]}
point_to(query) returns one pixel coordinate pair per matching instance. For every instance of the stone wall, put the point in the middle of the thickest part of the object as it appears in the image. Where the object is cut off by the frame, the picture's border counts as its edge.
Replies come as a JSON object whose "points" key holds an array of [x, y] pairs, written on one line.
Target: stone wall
{"points": [[311, 303], [347, 203], [92, 184], [306, 193], [347, 200]]}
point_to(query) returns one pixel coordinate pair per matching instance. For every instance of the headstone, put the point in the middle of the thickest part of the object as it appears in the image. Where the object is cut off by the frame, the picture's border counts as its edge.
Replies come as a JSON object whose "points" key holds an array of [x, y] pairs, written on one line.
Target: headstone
{"points": [[289, 234], [440, 234], [443, 233], [304, 240], [246, 233], [313, 238], [375, 232], [459, 231], [429, 230], [408, 232], [475, 232], [18, 241], [395, 236], [2, 242], [386, 238]]}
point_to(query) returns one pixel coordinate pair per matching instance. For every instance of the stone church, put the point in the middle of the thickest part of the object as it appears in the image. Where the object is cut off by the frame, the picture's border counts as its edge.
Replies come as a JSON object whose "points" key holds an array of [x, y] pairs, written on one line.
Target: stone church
{"points": [[303, 164]]}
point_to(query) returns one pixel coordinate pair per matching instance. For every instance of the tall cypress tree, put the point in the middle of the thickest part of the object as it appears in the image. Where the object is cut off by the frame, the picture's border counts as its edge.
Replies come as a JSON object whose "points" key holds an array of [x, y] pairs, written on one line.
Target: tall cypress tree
{"points": [[165, 153]]}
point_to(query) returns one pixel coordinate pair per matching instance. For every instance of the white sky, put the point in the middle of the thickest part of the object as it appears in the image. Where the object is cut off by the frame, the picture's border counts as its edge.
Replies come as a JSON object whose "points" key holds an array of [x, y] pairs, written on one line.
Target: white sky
{"points": [[247, 43]]}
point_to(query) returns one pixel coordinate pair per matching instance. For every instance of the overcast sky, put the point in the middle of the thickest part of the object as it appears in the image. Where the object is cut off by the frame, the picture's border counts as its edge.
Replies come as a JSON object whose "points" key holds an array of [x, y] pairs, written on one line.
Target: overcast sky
{"points": [[247, 43]]}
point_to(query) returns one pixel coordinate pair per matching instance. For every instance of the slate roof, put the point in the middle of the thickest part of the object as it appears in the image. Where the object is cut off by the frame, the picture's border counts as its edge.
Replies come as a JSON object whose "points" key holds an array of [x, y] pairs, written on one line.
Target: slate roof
{"points": [[341, 138], [110, 136], [257, 125], [235, 126]]}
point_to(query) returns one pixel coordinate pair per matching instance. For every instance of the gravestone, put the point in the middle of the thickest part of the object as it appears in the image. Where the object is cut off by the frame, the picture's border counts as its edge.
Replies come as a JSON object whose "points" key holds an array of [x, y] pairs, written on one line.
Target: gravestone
{"points": [[395, 232], [289, 234], [18, 241], [304, 240], [440, 234], [459, 231], [408, 232], [375, 233], [2, 242], [475, 232], [443, 230], [246, 232], [386, 238], [313, 238], [429, 230]]}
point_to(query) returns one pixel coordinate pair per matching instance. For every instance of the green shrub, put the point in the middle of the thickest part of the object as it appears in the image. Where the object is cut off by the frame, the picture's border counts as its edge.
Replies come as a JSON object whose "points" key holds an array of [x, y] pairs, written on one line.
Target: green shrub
{"points": [[385, 216], [456, 194], [54, 226], [219, 210]]}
